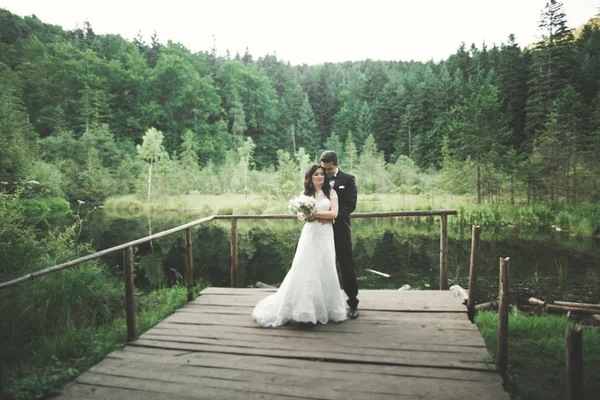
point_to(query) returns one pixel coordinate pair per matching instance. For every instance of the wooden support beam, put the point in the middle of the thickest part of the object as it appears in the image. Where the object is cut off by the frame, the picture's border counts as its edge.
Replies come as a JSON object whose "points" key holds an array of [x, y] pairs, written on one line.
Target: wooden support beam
{"points": [[443, 252], [189, 264], [129, 293], [234, 254], [476, 232], [574, 363], [502, 354]]}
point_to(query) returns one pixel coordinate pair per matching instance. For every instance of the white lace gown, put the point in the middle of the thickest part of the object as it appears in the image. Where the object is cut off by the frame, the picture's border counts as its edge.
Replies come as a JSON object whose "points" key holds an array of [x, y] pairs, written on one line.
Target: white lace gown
{"points": [[310, 291]]}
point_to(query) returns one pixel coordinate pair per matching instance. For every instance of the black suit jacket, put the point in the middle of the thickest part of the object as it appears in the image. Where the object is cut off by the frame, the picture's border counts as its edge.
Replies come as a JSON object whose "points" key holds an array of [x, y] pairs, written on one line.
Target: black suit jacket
{"points": [[345, 186]]}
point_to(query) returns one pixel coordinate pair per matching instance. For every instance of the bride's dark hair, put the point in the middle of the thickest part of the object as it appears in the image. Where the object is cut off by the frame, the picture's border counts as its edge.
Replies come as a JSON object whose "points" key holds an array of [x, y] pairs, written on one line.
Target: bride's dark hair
{"points": [[309, 188]]}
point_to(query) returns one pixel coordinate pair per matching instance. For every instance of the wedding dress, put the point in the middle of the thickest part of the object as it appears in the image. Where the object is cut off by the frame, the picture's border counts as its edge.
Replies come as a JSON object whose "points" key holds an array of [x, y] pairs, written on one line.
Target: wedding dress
{"points": [[310, 291]]}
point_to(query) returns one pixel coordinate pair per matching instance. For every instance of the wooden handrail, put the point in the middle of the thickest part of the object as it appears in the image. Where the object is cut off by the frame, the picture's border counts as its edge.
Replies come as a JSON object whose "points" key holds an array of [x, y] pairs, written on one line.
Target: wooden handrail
{"points": [[37, 274], [128, 256], [101, 253], [420, 213]]}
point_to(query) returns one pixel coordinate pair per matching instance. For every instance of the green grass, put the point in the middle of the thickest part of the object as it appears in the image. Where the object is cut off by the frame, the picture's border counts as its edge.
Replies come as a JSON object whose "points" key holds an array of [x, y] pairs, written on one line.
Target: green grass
{"points": [[536, 354], [579, 220], [55, 360], [45, 207]]}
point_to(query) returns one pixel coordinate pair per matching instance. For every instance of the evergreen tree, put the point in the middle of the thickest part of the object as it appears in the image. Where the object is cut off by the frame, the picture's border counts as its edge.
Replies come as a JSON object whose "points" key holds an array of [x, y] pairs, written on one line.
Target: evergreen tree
{"points": [[364, 124], [287, 181], [513, 89], [334, 143], [552, 68], [350, 152], [306, 133], [478, 130], [16, 133]]}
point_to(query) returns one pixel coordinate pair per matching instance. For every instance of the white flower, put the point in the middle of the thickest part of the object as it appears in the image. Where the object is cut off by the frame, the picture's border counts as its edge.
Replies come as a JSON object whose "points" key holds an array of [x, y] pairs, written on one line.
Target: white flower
{"points": [[303, 206]]}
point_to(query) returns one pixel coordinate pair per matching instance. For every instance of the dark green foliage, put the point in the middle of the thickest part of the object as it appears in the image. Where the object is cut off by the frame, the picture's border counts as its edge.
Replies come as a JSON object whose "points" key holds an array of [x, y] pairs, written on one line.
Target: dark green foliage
{"points": [[536, 354], [91, 97]]}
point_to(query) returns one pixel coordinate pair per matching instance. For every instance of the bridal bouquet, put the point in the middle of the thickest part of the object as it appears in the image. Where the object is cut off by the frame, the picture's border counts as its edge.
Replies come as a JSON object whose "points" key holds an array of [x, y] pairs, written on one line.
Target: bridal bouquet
{"points": [[304, 207]]}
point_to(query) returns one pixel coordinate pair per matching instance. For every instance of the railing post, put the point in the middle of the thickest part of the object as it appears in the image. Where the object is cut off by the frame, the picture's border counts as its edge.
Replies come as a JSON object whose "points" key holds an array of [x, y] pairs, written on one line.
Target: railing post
{"points": [[574, 357], [473, 272], [129, 295], [443, 252], [234, 253], [502, 357], [189, 264]]}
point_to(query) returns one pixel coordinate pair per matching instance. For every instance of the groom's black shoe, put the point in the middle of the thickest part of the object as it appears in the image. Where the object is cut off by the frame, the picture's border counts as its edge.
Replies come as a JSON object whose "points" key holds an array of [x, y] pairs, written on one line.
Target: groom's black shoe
{"points": [[353, 313]]}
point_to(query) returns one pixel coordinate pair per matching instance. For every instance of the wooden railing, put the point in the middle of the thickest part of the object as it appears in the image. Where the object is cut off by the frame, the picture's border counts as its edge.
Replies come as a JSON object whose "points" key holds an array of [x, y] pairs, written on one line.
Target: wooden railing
{"points": [[127, 249]]}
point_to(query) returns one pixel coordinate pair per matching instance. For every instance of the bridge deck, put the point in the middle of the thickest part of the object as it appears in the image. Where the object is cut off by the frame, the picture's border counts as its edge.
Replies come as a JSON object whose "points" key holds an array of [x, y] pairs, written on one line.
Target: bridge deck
{"points": [[405, 344]]}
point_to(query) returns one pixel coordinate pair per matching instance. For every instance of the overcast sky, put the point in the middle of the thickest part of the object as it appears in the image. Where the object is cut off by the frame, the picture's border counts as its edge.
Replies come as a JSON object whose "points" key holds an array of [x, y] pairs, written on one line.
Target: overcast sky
{"points": [[313, 31]]}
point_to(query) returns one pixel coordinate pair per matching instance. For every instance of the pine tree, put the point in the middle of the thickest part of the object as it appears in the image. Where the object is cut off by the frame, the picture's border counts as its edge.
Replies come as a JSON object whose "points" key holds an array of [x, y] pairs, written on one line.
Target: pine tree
{"points": [[513, 89], [478, 130], [553, 66], [334, 143], [364, 124], [307, 134], [350, 152]]}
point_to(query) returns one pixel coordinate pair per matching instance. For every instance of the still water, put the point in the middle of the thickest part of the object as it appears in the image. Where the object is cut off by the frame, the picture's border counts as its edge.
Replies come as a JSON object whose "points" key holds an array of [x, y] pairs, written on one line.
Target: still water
{"points": [[551, 266]]}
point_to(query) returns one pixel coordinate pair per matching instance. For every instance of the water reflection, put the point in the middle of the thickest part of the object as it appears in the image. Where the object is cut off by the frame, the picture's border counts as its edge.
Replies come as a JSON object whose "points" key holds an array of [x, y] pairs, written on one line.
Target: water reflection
{"points": [[548, 266]]}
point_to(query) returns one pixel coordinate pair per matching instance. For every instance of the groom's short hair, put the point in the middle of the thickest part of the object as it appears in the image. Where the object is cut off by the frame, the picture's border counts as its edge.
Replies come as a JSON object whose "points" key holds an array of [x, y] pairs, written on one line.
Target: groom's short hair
{"points": [[329, 156]]}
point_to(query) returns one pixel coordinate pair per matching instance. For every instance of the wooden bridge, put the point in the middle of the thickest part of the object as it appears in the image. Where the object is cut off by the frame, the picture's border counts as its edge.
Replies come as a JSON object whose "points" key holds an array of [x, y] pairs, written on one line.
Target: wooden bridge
{"points": [[405, 344]]}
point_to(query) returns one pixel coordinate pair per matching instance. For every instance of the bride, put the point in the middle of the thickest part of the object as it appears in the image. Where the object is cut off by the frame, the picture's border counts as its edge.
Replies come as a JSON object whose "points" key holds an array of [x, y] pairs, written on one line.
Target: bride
{"points": [[310, 291]]}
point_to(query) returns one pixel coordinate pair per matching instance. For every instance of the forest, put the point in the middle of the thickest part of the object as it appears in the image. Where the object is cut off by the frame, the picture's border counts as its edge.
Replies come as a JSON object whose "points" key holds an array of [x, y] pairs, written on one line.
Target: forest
{"points": [[86, 117]]}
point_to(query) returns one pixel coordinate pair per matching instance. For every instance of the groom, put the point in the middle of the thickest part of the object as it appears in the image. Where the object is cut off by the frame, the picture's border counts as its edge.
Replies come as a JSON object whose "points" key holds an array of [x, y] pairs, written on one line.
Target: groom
{"points": [[345, 186]]}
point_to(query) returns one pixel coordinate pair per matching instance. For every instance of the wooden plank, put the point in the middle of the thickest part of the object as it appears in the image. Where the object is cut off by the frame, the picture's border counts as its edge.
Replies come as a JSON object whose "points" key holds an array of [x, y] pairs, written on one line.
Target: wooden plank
{"points": [[207, 388], [303, 381], [385, 303], [341, 343], [421, 345], [367, 318], [84, 391], [377, 314], [345, 326], [389, 338], [308, 368], [402, 358]]}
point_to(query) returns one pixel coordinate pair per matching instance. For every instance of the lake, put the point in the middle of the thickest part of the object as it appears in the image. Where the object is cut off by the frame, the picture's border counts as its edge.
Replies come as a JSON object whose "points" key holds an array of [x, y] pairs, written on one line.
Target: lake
{"points": [[546, 265]]}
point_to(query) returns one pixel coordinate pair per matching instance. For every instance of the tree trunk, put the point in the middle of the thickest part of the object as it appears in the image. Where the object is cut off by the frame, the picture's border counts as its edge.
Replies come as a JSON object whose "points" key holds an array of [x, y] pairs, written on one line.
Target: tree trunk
{"points": [[512, 190], [293, 139], [574, 179], [149, 179], [568, 181], [409, 140], [478, 185]]}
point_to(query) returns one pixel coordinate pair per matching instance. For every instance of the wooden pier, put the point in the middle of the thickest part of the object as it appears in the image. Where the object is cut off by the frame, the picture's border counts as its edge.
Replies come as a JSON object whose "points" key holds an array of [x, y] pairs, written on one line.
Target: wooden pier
{"points": [[405, 344]]}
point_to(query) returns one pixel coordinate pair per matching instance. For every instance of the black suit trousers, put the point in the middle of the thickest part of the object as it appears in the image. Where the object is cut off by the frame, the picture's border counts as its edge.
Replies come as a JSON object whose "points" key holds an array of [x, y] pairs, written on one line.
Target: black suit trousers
{"points": [[343, 249]]}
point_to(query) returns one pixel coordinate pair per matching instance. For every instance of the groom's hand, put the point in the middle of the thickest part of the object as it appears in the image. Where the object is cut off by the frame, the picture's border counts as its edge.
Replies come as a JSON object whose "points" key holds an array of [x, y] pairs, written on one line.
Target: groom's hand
{"points": [[324, 221]]}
